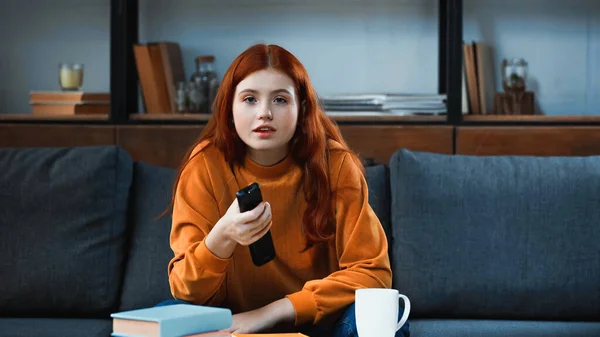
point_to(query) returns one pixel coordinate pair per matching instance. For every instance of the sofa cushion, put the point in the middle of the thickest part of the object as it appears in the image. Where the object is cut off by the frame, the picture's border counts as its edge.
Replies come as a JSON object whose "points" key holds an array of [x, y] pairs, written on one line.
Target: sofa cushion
{"points": [[498, 328], [55, 327], [379, 195], [146, 281], [62, 225], [497, 237]]}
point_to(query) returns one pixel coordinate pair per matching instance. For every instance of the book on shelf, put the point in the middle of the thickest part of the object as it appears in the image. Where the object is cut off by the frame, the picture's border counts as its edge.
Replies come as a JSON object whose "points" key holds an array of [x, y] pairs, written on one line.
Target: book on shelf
{"points": [[478, 75], [65, 103], [172, 321], [69, 109], [160, 68], [68, 97]]}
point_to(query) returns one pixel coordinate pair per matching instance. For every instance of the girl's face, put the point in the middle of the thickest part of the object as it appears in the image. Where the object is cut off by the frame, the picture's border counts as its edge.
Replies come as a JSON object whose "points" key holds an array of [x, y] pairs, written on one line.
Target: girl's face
{"points": [[265, 114]]}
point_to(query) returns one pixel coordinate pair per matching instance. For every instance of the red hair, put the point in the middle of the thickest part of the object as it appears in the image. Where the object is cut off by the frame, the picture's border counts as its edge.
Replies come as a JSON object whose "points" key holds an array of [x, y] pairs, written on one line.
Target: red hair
{"points": [[308, 146]]}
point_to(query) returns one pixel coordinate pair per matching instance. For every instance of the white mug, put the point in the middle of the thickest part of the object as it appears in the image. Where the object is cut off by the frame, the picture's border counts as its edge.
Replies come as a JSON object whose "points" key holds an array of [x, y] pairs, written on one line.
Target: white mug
{"points": [[377, 312]]}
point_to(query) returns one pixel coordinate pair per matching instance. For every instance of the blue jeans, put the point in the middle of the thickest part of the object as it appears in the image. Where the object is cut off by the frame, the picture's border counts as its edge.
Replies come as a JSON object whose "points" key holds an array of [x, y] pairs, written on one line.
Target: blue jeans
{"points": [[345, 326]]}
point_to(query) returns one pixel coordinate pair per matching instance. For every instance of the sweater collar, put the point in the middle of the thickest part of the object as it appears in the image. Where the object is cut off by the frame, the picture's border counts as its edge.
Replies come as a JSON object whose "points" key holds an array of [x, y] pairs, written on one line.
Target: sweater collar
{"points": [[269, 172]]}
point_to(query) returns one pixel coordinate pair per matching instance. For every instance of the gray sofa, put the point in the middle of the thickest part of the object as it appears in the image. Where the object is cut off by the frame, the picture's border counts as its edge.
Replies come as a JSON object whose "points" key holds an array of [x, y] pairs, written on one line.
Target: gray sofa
{"points": [[483, 246]]}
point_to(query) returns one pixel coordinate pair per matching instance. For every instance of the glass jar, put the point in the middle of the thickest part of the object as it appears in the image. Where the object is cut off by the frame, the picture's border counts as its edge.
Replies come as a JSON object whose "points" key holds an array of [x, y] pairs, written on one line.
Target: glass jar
{"points": [[514, 75], [182, 97], [70, 76], [206, 78], [197, 100]]}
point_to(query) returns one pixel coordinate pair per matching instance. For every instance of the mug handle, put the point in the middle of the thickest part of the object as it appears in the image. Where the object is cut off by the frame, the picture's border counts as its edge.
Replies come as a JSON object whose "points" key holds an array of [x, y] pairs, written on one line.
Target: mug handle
{"points": [[406, 311]]}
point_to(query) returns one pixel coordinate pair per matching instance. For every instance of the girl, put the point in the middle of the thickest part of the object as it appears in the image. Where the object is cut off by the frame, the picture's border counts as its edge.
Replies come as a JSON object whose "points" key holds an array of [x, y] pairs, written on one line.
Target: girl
{"points": [[267, 127]]}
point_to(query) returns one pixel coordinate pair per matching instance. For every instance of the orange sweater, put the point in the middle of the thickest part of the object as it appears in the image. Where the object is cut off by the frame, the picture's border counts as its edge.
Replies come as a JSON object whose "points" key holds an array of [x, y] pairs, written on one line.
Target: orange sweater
{"points": [[318, 282]]}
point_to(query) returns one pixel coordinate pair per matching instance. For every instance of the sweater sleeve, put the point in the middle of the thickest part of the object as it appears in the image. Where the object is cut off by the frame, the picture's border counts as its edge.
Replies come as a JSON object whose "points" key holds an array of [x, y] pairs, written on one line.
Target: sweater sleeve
{"points": [[195, 274], [361, 247]]}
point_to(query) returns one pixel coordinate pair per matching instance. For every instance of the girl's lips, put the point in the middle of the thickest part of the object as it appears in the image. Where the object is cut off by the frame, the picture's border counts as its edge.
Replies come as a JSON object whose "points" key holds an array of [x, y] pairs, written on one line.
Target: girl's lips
{"points": [[264, 126], [264, 134]]}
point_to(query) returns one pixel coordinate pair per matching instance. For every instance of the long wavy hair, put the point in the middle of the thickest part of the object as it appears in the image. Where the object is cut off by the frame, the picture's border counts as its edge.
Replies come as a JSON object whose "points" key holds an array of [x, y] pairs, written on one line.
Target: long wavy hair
{"points": [[308, 145]]}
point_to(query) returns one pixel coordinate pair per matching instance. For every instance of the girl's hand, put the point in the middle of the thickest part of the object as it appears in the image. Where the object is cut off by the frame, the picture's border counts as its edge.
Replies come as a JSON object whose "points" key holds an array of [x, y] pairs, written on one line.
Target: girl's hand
{"points": [[247, 227], [238, 228], [265, 318], [251, 322]]}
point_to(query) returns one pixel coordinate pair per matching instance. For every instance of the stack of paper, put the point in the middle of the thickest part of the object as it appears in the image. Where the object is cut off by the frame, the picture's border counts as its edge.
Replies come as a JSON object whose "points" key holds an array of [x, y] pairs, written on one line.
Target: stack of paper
{"points": [[406, 104]]}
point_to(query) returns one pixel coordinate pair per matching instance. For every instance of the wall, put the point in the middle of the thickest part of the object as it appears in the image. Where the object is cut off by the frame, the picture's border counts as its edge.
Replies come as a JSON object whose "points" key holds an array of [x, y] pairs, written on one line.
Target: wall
{"points": [[346, 45]]}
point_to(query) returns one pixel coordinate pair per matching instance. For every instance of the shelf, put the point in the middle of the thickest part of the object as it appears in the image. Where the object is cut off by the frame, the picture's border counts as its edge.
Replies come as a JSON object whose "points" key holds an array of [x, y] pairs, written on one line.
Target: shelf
{"points": [[354, 117], [30, 117]]}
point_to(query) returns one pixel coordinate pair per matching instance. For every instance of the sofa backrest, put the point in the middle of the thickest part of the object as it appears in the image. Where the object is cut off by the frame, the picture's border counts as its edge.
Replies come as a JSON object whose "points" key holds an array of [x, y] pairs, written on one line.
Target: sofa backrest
{"points": [[146, 281], [62, 230], [378, 181], [502, 237]]}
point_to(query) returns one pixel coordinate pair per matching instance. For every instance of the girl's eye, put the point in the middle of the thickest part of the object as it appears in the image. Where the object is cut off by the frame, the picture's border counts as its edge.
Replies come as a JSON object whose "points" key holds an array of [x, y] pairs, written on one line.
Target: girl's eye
{"points": [[250, 99], [280, 100]]}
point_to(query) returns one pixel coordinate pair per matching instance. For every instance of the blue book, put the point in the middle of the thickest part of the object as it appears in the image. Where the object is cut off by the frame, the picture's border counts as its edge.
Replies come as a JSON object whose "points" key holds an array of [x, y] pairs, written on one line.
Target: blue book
{"points": [[171, 321]]}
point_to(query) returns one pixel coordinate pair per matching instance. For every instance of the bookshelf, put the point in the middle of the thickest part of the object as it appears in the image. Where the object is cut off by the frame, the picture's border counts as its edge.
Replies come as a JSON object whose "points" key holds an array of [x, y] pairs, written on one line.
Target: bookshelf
{"points": [[125, 33], [163, 138], [451, 35]]}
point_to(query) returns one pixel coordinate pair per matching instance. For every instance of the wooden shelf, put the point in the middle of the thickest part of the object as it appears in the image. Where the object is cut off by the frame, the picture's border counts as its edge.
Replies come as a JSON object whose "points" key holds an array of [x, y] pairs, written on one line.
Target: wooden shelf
{"points": [[529, 118], [354, 117], [28, 116]]}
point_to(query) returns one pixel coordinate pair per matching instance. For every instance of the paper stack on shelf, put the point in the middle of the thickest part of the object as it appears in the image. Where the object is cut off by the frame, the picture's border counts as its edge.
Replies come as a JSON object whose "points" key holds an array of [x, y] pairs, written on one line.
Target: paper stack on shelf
{"points": [[402, 104]]}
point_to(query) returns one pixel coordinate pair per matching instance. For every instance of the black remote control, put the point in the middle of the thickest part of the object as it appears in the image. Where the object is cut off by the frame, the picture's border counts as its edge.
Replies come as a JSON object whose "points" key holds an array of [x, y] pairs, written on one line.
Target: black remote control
{"points": [[262, 251]]}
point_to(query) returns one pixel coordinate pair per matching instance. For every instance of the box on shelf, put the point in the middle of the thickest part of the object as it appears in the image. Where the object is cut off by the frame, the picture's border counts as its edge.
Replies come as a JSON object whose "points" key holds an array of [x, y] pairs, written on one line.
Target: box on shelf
{"points": [[514, 104]]}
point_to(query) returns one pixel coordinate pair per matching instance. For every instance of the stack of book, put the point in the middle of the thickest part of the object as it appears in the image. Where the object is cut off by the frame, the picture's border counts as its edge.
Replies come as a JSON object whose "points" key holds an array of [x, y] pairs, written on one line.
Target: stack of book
{"points": [[401, 104], [65, 103]]}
